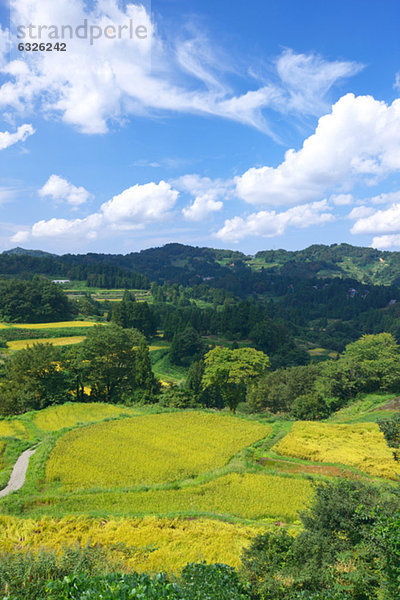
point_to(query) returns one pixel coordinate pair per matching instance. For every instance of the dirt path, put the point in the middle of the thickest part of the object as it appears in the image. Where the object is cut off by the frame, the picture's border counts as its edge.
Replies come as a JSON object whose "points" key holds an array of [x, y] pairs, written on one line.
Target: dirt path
{"points": [[17, 477]]}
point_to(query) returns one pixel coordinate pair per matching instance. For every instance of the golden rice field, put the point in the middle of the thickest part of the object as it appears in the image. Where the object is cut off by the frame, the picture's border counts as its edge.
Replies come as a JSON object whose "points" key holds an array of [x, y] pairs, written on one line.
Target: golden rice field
{"points": [[149, 544], [59, 325], [59, 341], [12, 428], [360, 445], [149, 449], [247, 496], [55, 418], [3, 445]]}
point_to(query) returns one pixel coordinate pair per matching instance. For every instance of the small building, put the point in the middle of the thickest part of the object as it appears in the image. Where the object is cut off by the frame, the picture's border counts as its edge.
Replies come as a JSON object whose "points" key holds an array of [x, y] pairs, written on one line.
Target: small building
{"points": [[61, 281]]}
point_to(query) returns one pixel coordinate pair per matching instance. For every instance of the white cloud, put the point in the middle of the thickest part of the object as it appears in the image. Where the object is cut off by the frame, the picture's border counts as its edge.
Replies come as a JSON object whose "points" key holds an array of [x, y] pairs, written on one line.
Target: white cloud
{"points": [[20, 236], [396, 84], [208, 195], [308, 78], [386, 198], [132, 209], [385, 242], [381, 221], [90, 87], [7, 139], [341, 199], [139, 205], [360, 212], [270, 223], [358, 140], [60, 189]]}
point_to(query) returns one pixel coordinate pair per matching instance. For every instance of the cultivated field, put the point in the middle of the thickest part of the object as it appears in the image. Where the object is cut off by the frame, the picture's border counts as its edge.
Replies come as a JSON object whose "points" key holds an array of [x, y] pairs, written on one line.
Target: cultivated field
{"points": [[55, 325], [360, 445], [59, 341], [150, 449], [148, 544], [72, 414], [159, 488], [250, 496]]}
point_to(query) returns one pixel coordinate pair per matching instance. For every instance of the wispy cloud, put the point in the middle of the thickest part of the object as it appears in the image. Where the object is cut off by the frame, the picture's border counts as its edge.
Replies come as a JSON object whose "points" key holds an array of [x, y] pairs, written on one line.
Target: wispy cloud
{"points": [[94, 87]]}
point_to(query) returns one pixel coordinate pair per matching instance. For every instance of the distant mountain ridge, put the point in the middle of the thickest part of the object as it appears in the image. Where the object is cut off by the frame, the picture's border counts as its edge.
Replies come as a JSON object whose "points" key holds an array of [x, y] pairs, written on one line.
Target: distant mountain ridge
{"points": [[25, 252], [186, 264]]}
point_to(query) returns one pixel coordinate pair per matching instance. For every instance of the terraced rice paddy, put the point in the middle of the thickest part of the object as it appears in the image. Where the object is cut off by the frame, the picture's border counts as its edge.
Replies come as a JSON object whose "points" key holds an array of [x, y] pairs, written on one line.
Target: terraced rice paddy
{"points": [[150, 449], [12, 428], [148, 544], [59, 341], [359, 445], [72, 414], [247, 496], [58, 325]]}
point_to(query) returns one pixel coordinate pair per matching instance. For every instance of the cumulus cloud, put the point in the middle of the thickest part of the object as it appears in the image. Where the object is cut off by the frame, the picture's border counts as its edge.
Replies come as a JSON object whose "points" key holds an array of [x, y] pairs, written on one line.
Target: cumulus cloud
{"points": [[139, 205], [360, 212], [385, 242], [381, 221], [60, 190], [134, 208], [270, 223], [208, 195], [92, 86], [358, 140], [341, 199], [7, 139]]}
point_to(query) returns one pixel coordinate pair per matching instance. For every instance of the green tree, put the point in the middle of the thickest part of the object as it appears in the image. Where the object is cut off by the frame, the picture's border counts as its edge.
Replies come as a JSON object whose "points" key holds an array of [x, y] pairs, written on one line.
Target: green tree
{"points": [[34, 379], [277, 391], [186, 345], [378, 360], [109, 361], [232, 370]]}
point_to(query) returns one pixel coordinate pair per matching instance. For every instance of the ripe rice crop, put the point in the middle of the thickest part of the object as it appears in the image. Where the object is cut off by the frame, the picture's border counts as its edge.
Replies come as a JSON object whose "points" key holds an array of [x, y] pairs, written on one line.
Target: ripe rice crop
{"points": [[3, 445], [59, 341], [148, 544], [149, 449], [53, 325], [247, 496], [12, 429], [55, 418], [359, 445]]}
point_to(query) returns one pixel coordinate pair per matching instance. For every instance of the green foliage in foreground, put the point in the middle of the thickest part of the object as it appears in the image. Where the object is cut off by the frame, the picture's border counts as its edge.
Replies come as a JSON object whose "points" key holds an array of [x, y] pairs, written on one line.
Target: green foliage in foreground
{"points": [[84, 573], [349, 547]]}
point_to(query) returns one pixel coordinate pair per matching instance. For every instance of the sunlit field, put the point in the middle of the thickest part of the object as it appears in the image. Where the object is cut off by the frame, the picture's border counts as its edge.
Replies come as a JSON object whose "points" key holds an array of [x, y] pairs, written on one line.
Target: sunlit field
{"points": [[55, 418], [149, 449], [148, 544], [247, 496], [50, 325], [360, 445], [60, 341], [12, 429]]}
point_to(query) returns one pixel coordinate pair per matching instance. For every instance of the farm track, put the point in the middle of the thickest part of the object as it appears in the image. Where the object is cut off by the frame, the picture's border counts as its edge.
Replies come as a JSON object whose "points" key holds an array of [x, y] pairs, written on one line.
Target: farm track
{"points": [[17, 477]]}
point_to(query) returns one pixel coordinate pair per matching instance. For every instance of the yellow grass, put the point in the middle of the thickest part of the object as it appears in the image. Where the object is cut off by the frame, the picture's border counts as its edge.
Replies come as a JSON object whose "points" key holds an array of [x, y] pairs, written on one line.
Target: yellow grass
{"points": [[12, 429], [359, 445], [3, 445], [148, 544], [61, 324], [149, 449], [60, 341], [247, 496], [55, 418]]}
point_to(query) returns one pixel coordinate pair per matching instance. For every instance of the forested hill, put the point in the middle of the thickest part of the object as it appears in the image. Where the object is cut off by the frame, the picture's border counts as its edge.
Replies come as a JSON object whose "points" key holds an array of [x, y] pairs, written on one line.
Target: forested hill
{"points": [[188, 265]]}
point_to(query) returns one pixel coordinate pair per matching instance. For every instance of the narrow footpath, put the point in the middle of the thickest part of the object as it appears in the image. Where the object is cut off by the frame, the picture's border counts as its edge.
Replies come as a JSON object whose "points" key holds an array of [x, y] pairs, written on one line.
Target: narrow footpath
{"points": [[17, 477]]}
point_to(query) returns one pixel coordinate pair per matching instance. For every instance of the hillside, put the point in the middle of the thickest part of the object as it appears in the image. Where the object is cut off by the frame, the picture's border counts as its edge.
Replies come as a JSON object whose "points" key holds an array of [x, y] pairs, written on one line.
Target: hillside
{"points": [[187, 265]]}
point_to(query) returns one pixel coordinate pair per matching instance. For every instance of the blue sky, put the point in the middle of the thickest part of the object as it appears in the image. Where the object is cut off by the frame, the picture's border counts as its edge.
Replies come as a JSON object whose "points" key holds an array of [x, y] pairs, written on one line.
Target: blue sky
{"points": [[266, 124]]}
